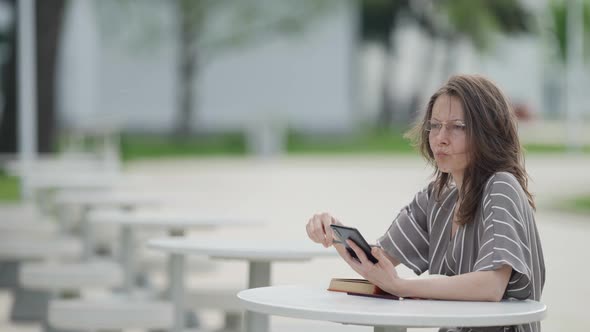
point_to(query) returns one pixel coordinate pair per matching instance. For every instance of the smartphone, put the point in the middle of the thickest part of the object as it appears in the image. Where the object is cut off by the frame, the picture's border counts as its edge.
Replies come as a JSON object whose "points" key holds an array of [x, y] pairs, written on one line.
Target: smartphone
{"points": [[344, 233]]}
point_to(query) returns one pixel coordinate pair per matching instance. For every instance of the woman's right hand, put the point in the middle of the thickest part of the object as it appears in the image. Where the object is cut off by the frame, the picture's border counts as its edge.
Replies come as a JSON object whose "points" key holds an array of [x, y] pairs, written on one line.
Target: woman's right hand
{"points": [[319, 230]]}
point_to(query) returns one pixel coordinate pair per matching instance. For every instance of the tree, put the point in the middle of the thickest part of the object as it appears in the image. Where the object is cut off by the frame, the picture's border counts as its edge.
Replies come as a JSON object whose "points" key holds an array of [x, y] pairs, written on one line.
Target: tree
{"points": [[558, 28], [378, 20], [557, 92], [8, 121], [208, 28], [479, 22], [48, 17], [446, 20]]}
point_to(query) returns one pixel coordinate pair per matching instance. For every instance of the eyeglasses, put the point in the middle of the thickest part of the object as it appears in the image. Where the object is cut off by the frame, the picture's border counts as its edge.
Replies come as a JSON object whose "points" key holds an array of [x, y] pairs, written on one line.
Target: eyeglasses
{"points": [[456, 127]]}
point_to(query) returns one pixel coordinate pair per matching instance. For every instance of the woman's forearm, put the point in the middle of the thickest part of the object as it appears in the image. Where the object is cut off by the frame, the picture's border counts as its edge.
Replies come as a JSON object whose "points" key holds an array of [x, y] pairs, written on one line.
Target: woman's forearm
{"points": [[474, 286], [392, 259]]}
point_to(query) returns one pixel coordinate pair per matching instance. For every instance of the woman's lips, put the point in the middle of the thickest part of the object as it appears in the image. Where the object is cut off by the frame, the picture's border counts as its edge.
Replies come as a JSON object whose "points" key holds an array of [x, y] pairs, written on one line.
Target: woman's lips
{"points": [[441, 154]]}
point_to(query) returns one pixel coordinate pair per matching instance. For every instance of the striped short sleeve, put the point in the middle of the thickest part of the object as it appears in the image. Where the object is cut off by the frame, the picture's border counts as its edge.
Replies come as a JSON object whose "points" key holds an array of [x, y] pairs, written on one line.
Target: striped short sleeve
{"points": [[407, 238], [504, 232]]}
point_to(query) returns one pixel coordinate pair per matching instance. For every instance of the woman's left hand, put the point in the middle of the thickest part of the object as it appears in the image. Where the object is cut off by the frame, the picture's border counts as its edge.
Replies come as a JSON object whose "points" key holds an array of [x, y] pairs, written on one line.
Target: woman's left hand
{"points": [[382, 274]]}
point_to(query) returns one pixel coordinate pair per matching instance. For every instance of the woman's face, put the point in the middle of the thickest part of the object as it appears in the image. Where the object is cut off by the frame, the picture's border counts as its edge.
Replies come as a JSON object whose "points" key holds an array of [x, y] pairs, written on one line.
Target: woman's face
{"points": [[447, 135]]}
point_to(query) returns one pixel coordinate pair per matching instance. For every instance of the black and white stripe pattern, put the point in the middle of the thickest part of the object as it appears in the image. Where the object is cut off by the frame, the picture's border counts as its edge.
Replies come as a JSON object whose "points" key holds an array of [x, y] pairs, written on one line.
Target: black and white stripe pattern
{"points": [[504, 232]]}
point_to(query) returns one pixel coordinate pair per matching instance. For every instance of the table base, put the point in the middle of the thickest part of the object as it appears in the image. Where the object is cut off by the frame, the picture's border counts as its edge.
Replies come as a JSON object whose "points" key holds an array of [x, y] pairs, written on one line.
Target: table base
{"points": [[259, 276], [389, 329]]}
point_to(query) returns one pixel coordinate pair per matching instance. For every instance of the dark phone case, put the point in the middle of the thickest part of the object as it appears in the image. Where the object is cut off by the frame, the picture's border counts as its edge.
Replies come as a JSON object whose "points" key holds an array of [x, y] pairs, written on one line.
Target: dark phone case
{"points": [[352, 233]]}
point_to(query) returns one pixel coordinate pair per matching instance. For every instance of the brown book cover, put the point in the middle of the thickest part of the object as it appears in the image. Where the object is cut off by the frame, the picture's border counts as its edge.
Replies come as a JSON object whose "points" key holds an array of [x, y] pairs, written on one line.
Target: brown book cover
{"points": [[359, 287]]}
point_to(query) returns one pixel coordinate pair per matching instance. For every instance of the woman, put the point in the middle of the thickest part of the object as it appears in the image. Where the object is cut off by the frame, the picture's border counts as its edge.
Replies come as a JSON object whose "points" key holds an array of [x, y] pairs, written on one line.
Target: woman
{"points": [[474, 222]]}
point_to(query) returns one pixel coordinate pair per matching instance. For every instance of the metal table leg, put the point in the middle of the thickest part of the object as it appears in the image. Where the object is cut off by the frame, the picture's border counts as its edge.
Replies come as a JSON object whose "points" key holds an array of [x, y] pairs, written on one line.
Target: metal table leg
{"points": [[259, 276], [176, 289], [389, 329], [127, 247], [87, 236]]}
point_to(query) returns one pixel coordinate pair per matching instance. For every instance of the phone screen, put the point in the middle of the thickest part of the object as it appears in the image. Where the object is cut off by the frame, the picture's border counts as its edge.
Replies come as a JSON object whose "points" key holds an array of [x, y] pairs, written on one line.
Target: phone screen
{"points": [[344, 233]]}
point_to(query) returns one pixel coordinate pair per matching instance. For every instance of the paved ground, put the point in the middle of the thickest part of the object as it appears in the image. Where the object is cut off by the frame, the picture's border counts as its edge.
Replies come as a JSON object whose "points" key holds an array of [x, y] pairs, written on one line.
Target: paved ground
{"points": [[365, 192]]}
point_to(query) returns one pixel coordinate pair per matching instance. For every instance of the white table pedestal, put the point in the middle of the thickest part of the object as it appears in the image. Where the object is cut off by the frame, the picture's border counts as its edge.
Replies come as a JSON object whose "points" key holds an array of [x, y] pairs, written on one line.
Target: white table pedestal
{"points": [[259, 276], [389, 329]]}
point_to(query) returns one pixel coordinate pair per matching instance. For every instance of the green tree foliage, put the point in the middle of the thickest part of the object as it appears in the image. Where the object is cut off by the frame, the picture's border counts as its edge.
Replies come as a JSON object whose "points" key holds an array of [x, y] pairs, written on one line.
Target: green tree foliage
{"points": [[207, 29], [558, 28], [447, 20], [481, 20]]}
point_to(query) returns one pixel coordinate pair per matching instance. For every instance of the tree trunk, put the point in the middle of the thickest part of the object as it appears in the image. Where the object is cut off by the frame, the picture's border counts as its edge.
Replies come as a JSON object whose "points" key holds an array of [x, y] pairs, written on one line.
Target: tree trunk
{"points": [[48, 17], [450, 56], [426, 74], [187, 69], [49, 14], [385, 118], [9, 120]]}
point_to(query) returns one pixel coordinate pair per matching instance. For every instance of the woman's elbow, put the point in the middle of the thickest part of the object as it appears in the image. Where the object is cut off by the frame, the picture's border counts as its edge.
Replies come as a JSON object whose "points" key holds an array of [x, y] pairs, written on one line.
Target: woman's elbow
{"points": [[496, 297], [498, 281], [496, 294]]}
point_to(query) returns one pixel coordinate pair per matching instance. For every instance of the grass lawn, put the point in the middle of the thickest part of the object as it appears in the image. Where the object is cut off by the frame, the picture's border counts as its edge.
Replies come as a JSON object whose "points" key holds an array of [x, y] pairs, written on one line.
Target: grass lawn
{"points": [[143, 146], [136, 146], [370, 142], [146, 146], [9, 188], [579, 204], [551, 148]]}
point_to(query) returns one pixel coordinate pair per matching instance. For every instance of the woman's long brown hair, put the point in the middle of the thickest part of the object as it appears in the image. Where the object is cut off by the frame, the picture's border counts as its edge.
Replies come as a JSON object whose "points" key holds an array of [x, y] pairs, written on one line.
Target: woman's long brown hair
{"points": [[492, 138]]}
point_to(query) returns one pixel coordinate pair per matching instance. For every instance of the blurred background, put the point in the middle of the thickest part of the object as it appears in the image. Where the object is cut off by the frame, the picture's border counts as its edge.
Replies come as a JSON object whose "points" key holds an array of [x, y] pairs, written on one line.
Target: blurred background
{"points": [[278, 77], [242, 103]]}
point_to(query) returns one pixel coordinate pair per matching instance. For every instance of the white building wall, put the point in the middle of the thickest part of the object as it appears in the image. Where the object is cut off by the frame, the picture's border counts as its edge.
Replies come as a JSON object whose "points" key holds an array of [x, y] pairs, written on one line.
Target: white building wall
{"points": [[306, 82], [302, 81]]}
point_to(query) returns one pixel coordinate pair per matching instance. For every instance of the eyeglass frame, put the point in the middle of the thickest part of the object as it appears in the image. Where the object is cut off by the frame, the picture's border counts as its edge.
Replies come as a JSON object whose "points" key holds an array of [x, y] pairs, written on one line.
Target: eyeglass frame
{"points": [[436, 131]]}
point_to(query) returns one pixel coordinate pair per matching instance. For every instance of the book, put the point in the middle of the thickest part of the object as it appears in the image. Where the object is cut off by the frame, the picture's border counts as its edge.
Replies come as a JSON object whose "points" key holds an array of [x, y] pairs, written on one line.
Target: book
{"points": [[359, 287]]}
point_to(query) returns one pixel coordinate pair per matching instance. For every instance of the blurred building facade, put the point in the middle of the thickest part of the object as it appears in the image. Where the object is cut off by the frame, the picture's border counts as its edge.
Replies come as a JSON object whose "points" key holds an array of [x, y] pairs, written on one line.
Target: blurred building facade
{"points": [[304, 81], [320, 81]]}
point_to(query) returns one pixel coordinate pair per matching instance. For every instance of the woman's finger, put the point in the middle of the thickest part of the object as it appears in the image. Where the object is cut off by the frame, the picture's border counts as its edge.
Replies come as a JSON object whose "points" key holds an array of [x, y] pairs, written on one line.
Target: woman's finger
{"points": [[352, 262], [314, 229], [358, 251], [309, 229], [380, 255], [329, 233], [345, 254], [324, 224]]}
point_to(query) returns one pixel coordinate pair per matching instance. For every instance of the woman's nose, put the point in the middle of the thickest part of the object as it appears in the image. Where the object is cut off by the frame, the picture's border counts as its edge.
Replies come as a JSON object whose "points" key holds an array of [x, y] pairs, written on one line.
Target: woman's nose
{"points": [[442, 135]]}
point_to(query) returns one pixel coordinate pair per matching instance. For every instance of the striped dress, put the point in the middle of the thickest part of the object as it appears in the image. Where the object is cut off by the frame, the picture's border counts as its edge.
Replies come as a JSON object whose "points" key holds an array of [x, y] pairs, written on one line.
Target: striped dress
{"points": [[503, 232]]}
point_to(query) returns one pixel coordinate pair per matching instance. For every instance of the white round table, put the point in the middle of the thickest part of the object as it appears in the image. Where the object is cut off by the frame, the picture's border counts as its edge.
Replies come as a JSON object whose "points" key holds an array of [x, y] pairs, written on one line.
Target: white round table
{"points": [[175, 221], [315, 303], [20, 249], [106, 198], [44, 185], [88, 200], [73, 180], [258, 254], [167, 218]]}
